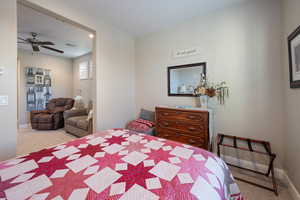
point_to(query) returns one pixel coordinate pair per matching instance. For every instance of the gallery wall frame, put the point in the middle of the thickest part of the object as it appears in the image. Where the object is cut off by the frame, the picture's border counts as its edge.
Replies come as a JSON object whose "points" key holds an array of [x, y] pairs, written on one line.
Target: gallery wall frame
{"points": [[294, 58], [38, 88]]}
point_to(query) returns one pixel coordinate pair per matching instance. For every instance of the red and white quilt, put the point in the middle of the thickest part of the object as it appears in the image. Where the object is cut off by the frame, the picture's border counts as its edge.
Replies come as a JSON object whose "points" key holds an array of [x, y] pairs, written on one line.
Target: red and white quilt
{"points": [[118, 164]]}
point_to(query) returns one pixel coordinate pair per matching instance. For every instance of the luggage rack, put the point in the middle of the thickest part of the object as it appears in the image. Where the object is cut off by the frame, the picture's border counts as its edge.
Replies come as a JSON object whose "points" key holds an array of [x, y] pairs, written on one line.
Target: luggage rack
{"points": [[250, 142]]}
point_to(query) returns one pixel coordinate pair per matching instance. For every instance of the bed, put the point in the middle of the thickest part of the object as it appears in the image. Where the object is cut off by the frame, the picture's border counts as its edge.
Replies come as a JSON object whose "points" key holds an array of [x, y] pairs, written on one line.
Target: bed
{"points": [[118, 164]]}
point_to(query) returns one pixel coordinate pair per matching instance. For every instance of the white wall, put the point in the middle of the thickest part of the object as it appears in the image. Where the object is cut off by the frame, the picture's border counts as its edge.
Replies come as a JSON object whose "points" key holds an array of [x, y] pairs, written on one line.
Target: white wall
{"points": [[8, 81], [292, 103], [241, 45], [82, 87], [61, 74], [115, 87]]}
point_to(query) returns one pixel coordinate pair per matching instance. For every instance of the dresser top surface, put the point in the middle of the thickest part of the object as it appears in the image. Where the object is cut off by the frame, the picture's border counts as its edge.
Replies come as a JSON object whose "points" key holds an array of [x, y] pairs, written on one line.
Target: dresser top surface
{"points": [[191, 109]]}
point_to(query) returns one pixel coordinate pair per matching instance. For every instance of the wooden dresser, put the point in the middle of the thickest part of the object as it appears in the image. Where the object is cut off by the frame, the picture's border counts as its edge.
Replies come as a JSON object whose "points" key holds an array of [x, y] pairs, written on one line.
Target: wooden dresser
{"points": [[183, 125]]}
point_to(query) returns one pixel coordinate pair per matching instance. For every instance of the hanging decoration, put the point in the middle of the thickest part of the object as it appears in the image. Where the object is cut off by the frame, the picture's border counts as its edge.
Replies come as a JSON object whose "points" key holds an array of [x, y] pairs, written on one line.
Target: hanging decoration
{"points": [[38, 86], [208, 89]]}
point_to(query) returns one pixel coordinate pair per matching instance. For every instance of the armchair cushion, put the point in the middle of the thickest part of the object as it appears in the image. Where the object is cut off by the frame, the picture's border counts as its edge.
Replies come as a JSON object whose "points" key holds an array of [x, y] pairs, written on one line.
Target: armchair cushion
{"points": [[35, 112], [74, 113], [83, 123], [79, 121], [50, 106], [73, 120], [43, 118], [60, 103], [58, 110]]}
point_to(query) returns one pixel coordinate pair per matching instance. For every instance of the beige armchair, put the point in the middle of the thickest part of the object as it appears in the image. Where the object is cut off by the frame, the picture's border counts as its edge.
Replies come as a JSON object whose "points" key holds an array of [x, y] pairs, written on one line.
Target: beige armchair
{"points": [[78, 122]]}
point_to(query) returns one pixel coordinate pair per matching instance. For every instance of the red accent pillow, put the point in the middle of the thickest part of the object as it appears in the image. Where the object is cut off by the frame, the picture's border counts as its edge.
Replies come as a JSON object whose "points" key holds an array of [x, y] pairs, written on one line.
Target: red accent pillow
{"points": [[140, 125], [148, 123]]}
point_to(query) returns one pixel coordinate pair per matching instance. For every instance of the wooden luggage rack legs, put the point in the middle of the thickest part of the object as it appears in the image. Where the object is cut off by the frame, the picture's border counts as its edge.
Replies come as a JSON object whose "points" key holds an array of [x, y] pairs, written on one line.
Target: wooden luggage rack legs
{"points": [[250, 142]]}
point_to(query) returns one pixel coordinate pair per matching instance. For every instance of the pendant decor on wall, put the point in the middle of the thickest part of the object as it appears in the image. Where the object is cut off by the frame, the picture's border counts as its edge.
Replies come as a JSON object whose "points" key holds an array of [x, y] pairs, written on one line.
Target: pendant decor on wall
{"points": [[180, 53], [294, 58], [207, 89], [38, 87]]}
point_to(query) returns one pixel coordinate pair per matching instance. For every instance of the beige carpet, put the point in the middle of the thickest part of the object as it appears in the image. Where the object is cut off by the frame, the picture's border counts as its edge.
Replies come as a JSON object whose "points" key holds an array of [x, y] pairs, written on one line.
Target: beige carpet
{"points": [[251, 192], [30, 141]]}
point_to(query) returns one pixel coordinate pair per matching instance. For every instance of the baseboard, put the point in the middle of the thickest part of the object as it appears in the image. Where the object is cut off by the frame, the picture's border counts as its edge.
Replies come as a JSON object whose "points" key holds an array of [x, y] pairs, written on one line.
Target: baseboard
{"points": [[24, 126], [292, 189], [279, 173]]}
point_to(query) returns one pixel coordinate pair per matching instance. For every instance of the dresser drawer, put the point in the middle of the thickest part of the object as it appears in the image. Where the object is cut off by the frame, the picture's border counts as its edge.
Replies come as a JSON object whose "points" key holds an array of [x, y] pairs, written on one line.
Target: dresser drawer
{"points": [[193, 129], [182, 138], [181, 115], [183, 125]]}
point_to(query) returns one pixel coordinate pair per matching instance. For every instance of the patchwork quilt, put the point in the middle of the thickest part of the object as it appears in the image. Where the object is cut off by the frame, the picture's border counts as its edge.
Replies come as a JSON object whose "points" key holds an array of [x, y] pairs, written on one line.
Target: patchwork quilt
{"points": [[118, 164]]}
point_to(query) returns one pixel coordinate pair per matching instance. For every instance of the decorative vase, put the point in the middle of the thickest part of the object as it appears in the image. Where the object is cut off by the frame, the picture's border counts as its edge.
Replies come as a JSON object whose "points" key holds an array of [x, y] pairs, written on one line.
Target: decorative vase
{"points": [[204, 101]]}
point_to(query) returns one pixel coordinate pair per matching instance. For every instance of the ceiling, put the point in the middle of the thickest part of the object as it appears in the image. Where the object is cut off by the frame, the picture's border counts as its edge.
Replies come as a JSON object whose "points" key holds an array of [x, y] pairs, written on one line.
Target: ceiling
{"points": [[51, 29], [141, 17], [137, 17]]}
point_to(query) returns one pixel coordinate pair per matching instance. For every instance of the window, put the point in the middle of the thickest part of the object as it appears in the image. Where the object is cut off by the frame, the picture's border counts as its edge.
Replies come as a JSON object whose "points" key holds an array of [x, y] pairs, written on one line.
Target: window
{"points": [[84, 70]]}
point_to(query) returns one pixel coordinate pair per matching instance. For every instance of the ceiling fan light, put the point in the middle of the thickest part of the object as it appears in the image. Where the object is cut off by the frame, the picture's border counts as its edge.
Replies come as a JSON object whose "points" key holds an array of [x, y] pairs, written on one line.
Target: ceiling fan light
{"points": [[91, 36]]}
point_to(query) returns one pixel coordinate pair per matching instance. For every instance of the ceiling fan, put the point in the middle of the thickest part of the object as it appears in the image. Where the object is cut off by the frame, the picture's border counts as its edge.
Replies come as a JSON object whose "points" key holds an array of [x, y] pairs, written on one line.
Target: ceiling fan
{"points": [[36, 44]]}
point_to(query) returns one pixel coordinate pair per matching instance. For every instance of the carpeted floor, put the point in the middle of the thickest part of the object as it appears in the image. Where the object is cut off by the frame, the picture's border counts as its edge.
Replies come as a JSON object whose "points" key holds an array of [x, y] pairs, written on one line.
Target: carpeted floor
{"points": [[254, 193], [31, 140]]}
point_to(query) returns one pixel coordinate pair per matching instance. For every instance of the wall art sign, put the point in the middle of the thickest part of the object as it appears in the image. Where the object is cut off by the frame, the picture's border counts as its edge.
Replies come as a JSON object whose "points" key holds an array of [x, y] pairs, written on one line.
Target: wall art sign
{"points": [[38, 87], [186, 52], [294, 58]]}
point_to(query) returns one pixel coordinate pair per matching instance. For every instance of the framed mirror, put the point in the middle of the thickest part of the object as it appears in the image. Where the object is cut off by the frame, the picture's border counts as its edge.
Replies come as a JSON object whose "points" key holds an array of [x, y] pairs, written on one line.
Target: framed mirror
{"points": [[183, 79]]}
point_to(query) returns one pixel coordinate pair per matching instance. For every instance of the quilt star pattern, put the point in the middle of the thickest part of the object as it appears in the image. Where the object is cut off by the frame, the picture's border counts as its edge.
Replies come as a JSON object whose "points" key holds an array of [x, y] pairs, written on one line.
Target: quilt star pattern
{"points": [[118, 164]]}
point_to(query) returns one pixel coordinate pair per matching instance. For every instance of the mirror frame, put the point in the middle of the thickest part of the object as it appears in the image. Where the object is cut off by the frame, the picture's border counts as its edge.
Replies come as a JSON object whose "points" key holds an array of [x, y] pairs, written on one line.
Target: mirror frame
{"points": [[203, 64]]}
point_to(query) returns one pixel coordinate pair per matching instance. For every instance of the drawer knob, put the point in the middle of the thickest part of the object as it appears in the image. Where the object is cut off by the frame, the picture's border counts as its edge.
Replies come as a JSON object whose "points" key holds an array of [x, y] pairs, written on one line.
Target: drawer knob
{"points": [[192, 129], [166, 124], [191, 117], [191, 141], [165, 114]]}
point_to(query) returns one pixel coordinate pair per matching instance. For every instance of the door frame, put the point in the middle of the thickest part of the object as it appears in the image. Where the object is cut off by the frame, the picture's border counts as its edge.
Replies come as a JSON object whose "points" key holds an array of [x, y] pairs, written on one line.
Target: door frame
{"points": [[94, 53]]}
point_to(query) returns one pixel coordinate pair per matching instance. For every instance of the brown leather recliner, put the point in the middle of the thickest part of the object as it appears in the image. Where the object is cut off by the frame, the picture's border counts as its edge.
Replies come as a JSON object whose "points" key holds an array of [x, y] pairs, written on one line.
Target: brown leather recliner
{"points": [[52, 117]]}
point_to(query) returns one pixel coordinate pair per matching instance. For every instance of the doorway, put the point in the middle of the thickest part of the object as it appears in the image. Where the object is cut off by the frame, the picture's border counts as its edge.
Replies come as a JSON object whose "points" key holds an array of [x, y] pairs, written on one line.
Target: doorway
{"points": [[56, 63]]}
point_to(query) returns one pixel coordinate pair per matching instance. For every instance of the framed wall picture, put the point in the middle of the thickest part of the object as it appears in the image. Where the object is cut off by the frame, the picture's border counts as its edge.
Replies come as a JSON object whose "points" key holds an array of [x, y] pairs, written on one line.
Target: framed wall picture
{"points": [[38, 88], [39, 79], [294, 58], [183, 79]]}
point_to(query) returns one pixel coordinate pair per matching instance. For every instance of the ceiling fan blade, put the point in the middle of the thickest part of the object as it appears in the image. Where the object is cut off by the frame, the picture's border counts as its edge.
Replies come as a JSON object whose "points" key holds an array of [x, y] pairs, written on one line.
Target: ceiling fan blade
{"points": [[19, 38], [22, 42], [44, 43], [35, 48], [52, 49]]}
